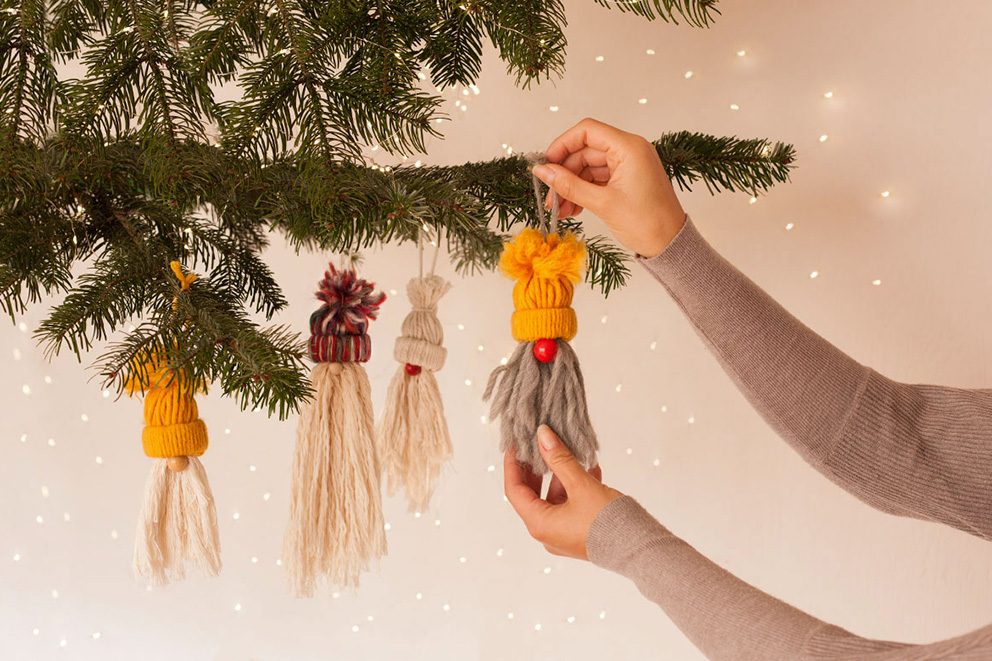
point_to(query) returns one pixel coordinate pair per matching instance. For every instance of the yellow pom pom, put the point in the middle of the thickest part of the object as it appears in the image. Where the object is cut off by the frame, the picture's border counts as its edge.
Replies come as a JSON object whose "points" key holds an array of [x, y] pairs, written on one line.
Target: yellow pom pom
{"points": [[531, 254], [545, 268]]}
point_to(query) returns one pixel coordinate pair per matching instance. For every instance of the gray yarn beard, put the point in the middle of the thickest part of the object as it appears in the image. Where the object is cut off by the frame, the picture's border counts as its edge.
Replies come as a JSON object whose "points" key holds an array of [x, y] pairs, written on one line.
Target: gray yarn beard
{"points": [[527, 393]]}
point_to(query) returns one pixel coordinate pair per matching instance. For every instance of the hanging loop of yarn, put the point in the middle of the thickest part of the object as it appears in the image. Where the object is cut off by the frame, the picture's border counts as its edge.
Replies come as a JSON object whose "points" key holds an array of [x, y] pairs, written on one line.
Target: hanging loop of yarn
{"points": [[547, 226]]}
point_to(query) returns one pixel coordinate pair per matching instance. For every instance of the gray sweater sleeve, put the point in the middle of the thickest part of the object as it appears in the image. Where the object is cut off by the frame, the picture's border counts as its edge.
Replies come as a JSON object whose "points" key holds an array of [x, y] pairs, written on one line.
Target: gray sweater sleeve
{"points": [[726, 618], [912, 450]]}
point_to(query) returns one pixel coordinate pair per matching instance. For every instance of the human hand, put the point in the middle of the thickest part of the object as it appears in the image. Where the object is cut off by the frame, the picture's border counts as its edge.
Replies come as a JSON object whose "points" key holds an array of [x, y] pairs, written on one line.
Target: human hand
{"points": [[561, 520], [619, 177]]}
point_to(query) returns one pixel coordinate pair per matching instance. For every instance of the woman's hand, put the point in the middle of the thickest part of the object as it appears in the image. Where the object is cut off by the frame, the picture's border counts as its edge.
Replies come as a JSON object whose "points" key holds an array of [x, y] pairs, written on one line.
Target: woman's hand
{"points": [[562, 520], [619, 177]]}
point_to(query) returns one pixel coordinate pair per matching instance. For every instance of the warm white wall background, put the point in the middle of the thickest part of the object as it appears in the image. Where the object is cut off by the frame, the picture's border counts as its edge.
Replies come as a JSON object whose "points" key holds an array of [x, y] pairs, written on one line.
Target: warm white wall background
{"points": [[911, 96]]}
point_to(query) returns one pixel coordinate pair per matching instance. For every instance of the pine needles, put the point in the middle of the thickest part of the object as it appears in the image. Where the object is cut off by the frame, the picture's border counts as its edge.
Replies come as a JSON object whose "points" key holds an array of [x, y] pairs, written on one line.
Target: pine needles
{"points": [[106, 179]]}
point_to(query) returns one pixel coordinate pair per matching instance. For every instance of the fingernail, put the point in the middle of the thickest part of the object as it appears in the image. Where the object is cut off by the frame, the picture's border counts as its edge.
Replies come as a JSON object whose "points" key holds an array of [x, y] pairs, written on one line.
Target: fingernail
{"points": [[546, 437], [544, 173]]}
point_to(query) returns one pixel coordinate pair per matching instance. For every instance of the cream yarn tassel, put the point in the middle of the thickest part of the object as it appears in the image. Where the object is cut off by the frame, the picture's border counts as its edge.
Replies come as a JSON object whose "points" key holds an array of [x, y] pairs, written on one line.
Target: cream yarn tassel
{"points": [[177, 524], [335, 523], [414, 442]]}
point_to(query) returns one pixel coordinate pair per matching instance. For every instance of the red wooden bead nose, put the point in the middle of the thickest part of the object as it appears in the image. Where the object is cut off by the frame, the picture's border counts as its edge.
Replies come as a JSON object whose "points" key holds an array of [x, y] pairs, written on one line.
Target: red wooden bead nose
{"points": [[412, 370], [545, 350]]}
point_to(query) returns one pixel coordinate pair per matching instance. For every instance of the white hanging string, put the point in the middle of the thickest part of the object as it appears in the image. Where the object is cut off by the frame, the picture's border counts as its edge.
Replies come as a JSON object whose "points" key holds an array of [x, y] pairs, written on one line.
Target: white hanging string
{"points": [[420, 252]]}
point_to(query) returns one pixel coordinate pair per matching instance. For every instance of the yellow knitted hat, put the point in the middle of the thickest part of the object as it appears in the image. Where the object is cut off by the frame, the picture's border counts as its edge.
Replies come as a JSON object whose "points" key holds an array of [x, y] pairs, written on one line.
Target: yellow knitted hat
{"points": [[172, 421], [546, 269]]}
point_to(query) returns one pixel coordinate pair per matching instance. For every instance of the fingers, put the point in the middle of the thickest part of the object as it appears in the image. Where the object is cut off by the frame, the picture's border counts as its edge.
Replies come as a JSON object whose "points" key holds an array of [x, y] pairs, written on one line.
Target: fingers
{"points": [[587, 133], [571, 187], [556, 492], [519, 489], [560, 460], [585, 158]]}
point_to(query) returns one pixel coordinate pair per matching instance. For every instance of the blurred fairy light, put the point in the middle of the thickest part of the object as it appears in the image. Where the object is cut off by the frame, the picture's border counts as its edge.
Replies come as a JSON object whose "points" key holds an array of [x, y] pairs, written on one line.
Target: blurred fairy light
{"points": [[741, 53], [789, 226], [600, 58], [823, 138], [885, 193], [813, 275], [876, 282], [828, 94], [734, 106], [687, 75]]}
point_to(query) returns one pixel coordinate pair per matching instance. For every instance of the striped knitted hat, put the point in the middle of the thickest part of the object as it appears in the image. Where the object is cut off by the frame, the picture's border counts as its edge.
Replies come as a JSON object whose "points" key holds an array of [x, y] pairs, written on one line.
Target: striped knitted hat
{"points": [[338, 327]]}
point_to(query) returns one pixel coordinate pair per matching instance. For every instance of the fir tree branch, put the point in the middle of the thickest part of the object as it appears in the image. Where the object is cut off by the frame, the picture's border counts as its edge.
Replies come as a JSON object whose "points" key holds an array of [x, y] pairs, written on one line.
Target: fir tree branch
{"points": [[105, 179], [698, 13]]}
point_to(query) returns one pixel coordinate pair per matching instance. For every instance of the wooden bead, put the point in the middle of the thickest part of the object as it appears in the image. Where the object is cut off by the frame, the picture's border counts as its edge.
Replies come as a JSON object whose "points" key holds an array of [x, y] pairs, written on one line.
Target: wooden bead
{"points": [[412, 370], [177, 464], [545, 350]]}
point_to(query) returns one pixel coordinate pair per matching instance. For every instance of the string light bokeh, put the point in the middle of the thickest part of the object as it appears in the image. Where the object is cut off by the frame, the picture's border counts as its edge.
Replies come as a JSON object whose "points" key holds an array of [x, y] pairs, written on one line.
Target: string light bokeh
{"points": [[879, 243]]}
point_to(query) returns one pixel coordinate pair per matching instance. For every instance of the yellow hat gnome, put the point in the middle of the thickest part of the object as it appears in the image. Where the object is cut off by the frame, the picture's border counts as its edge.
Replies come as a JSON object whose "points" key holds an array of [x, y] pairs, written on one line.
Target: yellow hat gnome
{"points": [[542, 382], [177, 526]]}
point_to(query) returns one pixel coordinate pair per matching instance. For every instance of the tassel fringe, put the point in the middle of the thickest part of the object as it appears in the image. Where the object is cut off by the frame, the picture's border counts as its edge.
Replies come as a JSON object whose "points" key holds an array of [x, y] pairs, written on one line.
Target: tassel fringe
{"points": [[526, 393], [414, 442], [177, 526], [335, 523]]}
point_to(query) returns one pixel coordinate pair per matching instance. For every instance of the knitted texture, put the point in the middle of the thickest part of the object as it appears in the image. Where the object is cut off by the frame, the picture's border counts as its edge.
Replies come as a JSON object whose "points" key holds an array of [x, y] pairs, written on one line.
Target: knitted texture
{"points": [[422, 336], [920, 451], [172, 422], [338, 327], [414, 442], [546, 269]]}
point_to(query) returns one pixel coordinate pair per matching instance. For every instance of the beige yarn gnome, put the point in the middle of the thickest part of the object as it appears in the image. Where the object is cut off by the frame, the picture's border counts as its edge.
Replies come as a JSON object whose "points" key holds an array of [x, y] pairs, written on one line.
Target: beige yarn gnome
{"points": [[414, 442]]}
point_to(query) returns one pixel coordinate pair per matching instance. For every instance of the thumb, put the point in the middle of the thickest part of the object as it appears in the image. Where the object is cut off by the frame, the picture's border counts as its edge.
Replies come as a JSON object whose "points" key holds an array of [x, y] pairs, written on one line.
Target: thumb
{"points": [[571, 186], [559, 459]]}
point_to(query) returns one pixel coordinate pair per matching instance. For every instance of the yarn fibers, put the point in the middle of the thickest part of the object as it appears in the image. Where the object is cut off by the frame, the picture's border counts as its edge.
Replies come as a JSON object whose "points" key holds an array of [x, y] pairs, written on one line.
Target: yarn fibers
{"points": [[336, 528], [414, 441], [542, 383], [177, 524]]}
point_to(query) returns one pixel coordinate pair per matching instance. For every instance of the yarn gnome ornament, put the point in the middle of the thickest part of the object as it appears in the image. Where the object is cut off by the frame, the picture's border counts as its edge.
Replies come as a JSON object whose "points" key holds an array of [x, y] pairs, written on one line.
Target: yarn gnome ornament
{"points": [[335, 522], [177, 525], [414, 442], [541, 382]]}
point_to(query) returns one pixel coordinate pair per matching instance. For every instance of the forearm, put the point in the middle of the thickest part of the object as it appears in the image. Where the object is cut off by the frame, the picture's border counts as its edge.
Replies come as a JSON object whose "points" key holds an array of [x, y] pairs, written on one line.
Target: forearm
{"points": [[919, 451], [727, 618], [802, 385]]}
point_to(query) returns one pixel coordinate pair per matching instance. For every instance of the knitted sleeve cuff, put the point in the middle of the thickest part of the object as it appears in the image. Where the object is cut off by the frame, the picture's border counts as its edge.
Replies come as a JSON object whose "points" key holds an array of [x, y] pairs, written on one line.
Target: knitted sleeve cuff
{"points": [[676, 259], [620, 532]]}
